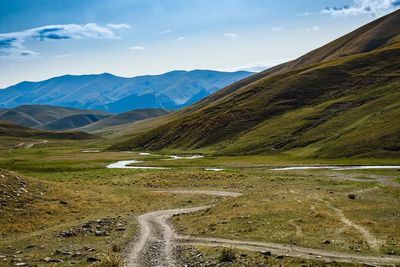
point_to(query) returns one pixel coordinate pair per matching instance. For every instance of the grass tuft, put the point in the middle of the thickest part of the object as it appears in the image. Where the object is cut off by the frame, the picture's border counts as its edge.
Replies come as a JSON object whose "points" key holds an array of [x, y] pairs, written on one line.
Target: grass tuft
{"points": [[110, 260]]}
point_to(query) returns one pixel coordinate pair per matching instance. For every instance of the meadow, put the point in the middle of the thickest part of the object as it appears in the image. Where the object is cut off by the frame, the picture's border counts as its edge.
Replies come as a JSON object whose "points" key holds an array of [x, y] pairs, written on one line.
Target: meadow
{"points": [[69, 190]]}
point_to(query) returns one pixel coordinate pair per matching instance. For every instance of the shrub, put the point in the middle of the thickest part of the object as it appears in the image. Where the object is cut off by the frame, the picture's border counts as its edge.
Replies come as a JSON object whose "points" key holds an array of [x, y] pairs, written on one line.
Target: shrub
{"points": [[227, 255], [115, 248]]}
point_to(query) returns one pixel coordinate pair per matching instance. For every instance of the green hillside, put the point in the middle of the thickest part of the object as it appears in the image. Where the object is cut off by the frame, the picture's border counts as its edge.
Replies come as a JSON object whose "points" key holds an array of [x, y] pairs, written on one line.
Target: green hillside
{"points": [[73, 121], [12, 130], [124, 118], [341, 100], [51, 117]]}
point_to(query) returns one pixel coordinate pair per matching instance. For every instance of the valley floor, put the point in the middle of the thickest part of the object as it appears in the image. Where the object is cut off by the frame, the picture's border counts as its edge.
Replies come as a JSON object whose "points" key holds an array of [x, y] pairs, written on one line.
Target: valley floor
{"points": [[60, 205]]}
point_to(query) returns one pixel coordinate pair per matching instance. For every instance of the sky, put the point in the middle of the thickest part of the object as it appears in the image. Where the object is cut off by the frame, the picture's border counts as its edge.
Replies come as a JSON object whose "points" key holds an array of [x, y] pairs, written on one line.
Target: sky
{"points": [[40, 39]]}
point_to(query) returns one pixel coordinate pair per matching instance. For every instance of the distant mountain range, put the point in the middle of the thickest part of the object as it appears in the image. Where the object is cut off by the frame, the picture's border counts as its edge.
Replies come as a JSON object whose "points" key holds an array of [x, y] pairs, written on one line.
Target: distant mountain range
{"points": [[54, 118], [110, 93], [341, 100]]}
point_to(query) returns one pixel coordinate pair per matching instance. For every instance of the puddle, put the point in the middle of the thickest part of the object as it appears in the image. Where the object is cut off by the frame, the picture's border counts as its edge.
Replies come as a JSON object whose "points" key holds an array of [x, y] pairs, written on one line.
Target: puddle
{"points": [[123, 164], [90, 151], [214, 169], [174, 157]]}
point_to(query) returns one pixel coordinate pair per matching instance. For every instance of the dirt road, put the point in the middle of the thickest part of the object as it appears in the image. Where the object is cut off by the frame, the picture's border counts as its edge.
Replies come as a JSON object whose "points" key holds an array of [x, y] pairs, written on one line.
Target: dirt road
{"points": [[157, 240], [290, 250], [30, 145], [155, 245]]}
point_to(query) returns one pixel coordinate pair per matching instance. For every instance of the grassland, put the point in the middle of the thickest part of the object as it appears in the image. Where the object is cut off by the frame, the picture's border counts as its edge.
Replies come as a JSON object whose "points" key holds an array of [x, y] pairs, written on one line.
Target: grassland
{"points": [[68, 188]]}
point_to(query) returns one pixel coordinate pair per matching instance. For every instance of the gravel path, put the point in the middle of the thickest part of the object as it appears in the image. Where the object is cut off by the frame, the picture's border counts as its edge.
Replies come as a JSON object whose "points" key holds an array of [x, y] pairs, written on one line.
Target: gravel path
{"points": [[291, 250], [30, 145], [155, 245], [156, 242]]}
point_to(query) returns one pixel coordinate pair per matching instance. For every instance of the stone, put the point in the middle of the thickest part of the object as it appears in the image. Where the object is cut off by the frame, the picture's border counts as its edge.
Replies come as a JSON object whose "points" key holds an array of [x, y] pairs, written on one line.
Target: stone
{"points": [[99, 233], [48, 259], [266, 253], [63, 252], [92, 259]]}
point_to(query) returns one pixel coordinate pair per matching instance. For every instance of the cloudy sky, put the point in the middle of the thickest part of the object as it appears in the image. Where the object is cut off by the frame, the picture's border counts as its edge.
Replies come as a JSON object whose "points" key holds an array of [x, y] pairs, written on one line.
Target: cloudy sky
{"points": [[40, 39]]}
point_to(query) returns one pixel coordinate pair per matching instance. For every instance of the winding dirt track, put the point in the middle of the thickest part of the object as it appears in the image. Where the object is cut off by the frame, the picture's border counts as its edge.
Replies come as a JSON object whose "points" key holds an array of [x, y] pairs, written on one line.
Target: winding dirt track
{"points": [[30, 145], [290, 250], [156, 243]]}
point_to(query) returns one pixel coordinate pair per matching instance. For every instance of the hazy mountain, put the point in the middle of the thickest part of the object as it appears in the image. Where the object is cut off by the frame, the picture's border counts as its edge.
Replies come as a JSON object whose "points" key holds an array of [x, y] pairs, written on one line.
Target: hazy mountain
{"points": [[8, 129], [340, 100], [51, 117], [123, 118], [73, 122], [171, 90]]}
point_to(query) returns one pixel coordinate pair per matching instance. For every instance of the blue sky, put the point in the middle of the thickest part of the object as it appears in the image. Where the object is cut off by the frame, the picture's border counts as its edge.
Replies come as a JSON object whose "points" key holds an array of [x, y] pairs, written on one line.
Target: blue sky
{"points": [[40, 39]]}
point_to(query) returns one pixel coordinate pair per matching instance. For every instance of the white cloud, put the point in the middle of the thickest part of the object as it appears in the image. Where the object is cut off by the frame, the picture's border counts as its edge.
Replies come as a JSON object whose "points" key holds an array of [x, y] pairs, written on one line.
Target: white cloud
{"points": [[258, 66], [374, 7], [277, 29], [313, 29], [305, 14], [13, 44], [166, 31], [140, 48], [180, 38], [231, 35], [118, 26]]}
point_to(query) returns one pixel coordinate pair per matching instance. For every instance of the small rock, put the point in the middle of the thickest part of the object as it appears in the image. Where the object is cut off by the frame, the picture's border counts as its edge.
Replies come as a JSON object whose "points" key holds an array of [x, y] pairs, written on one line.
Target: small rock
{"points": [[352, 196], [48, 259], [77, 254], [87, 248], [91, 259], [99, 233], [20, 264], [327, 242], [63, 252], [266, 253], [16, 259], [67, 233], [87, 226]]}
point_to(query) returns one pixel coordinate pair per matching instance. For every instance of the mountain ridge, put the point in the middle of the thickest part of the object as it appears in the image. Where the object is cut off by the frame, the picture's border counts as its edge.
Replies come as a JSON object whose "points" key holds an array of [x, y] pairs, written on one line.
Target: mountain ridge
{"points": [[256, 115], [46, 117], [104, 91]]}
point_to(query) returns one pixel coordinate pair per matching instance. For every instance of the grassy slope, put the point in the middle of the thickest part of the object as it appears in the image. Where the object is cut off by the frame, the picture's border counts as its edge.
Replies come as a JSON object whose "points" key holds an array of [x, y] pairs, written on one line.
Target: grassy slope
{"points": [[73, 121], [324, 109], [50, 117], [12, 130], [124, 118]]}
